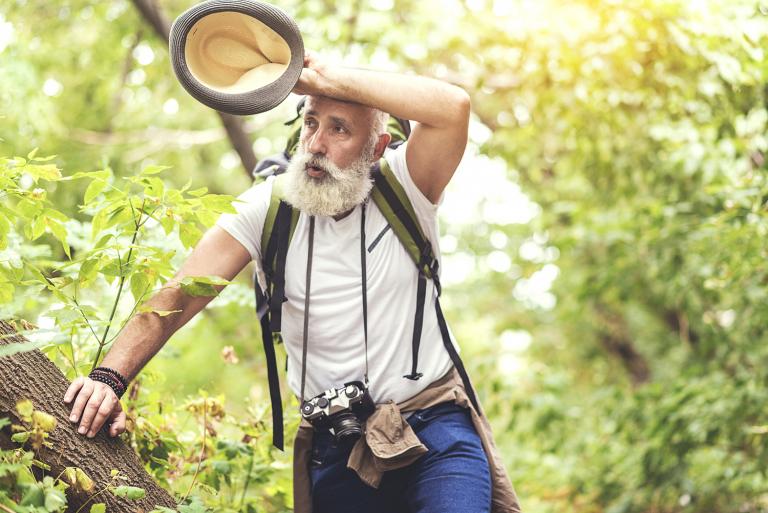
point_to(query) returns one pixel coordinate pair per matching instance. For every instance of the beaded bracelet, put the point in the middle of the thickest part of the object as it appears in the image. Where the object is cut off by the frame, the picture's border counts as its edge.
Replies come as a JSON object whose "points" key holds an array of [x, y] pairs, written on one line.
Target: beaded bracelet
{"points": [[114, 373], [111, 378]]}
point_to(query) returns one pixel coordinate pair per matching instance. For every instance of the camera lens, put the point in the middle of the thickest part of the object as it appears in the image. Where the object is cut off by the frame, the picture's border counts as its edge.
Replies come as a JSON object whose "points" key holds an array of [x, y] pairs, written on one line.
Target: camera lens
{"points": [[346, 426]]}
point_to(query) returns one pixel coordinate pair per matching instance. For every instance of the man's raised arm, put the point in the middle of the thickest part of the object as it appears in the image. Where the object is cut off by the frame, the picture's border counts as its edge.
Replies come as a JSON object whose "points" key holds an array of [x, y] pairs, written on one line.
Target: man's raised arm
{"points": [[217, 254], [440, 112]]}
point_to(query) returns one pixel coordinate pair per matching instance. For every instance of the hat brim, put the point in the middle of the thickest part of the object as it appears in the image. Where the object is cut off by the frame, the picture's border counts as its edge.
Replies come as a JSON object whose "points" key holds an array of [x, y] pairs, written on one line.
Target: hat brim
{"points": [[236, 100]]}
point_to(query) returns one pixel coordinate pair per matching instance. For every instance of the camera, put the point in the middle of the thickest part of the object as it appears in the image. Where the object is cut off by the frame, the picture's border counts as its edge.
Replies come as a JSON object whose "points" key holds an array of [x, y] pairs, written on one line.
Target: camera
{"points": [[340, 410]]}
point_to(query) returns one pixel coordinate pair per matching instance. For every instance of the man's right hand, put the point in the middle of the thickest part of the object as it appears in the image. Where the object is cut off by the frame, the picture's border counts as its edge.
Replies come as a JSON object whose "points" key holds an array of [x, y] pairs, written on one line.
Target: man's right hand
{"points": [[94, 403]]}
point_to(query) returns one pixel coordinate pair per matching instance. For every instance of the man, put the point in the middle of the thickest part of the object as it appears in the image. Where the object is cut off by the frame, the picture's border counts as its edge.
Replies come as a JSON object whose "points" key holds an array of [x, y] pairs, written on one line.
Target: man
{"points": [[343, 134]]}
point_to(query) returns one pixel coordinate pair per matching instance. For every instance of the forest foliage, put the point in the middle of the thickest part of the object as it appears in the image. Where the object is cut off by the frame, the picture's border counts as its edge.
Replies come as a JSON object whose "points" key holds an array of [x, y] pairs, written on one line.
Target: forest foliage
{"points": [[604, 240]]}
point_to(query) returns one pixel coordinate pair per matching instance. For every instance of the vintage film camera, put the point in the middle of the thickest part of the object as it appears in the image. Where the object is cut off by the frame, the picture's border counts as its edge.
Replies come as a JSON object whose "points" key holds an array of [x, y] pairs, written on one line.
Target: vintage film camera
{"points": [[340, 410]]}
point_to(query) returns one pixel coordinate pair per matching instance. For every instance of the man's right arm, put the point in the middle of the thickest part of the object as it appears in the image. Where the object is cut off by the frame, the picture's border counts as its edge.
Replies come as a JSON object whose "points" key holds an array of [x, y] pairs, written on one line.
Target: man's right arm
{"points": [[217, 254]]}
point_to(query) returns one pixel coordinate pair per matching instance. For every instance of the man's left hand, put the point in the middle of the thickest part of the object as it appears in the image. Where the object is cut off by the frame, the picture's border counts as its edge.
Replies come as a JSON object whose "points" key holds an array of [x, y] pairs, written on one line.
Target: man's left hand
{"points": [[310, 81]]}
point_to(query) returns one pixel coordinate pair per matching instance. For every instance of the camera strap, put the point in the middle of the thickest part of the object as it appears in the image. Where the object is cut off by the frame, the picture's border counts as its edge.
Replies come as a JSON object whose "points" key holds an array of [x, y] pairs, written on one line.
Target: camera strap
{"points": [[305, 336], [364, 285], [364, 272]]}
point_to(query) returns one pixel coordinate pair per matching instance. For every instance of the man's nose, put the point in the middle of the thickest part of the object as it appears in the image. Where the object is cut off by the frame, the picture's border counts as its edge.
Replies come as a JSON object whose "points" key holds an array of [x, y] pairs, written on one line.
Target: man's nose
{"points": [[316, 143]]}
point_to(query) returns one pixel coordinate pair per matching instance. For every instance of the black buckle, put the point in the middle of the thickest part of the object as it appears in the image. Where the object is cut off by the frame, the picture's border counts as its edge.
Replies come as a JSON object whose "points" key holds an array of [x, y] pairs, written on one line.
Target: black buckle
{"points": [[413, 377], [428, 261]]}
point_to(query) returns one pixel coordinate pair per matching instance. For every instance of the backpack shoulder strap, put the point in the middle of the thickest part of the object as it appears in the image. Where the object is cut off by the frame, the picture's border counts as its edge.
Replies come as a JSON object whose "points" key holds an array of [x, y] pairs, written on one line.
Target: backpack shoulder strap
{"points": [[279, 226], [277, 196], [392, 200], [388, 194]]}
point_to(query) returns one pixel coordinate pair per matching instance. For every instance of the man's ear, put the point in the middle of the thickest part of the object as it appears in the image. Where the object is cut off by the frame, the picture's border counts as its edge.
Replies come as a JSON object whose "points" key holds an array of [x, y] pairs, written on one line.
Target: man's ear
{"points": [[381, 145]]}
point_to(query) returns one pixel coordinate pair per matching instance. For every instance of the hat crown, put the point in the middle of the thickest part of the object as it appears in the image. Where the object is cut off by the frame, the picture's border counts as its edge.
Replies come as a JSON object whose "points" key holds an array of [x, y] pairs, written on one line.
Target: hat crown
{"points": [[232, 52], [236, 56]]}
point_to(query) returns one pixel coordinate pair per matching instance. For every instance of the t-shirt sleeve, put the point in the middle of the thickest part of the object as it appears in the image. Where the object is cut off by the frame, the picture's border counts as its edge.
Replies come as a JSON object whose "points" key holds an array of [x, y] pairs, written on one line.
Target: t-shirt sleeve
{"points": [[426, 211], [247, 224]]}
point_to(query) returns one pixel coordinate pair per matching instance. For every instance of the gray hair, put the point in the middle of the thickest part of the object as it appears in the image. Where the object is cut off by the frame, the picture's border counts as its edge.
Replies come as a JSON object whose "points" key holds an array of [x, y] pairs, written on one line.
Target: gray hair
{"points": [[379, 121]]}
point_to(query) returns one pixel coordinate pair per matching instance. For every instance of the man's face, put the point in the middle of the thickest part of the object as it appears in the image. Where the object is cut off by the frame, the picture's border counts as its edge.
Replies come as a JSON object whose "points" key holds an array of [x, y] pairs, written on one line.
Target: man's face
{"points": [[329, 174], [336, 130]]}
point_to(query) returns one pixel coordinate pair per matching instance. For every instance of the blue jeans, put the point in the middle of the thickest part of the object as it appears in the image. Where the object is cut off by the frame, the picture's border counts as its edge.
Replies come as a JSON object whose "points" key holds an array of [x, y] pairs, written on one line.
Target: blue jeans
{"points": [[452, 477]]}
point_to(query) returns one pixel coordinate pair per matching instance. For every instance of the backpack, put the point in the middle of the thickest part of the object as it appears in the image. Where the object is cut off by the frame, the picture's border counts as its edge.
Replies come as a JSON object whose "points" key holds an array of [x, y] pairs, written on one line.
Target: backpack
{"points": [[279, 225]]}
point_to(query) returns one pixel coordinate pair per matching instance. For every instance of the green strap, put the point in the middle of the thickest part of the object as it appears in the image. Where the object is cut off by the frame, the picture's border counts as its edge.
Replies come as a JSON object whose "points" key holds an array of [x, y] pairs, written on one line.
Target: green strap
{"points": [[388, 194], [278, 186]]}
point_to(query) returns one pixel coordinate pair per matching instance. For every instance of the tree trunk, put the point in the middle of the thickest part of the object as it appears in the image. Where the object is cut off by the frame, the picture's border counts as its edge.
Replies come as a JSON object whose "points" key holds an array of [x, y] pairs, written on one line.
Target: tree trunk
{"points": [[238, 137], [31, 375]]}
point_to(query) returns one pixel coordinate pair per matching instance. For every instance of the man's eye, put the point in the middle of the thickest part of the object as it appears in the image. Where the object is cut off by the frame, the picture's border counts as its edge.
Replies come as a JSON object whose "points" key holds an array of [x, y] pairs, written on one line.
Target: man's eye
{"points": [[340, 129], [309, 122]]}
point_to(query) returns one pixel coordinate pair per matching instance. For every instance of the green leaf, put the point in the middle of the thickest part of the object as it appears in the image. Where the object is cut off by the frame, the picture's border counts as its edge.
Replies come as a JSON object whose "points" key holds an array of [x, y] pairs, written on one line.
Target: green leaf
{"points": [[55, 214], [206, 217], [20, 437], [153, 170], [34, 496], [201, 285], [44, 171], [195, 506], [154, 187], [37, 227], [189, 234], [129, 492], [93, 190], [22, 347], [25, 408], [98, 508], [84, 482], [167, 222], [6, 292], [140, 283], [55, 500], [103, 241], [88, 270], [5, 228], [162, 313], [44, 159], [119, 215], [27, 208], [198, 192], [31, 154], [219, 203], [60, 233], [102, 174]]}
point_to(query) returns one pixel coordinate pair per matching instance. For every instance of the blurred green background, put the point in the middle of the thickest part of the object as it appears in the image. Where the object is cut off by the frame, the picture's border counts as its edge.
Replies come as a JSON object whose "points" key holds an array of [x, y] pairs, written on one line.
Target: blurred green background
{"points": [[604, 240]]}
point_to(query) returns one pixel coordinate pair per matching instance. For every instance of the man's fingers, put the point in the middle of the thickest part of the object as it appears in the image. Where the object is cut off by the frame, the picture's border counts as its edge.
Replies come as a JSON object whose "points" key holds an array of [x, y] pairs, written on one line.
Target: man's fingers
{"points": [[76, 385], [82, 399], [103, 412], [118, 421], [91, 407]]}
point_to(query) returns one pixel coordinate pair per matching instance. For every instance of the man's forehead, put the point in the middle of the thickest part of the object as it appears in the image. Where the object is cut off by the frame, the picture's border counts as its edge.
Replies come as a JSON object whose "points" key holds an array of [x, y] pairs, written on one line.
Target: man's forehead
{"points": [[324, 106]]}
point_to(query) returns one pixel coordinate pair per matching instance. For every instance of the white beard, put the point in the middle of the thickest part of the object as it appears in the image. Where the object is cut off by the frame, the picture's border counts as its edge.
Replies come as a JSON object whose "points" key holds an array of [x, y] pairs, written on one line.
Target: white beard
{"points": [[338, 191]]}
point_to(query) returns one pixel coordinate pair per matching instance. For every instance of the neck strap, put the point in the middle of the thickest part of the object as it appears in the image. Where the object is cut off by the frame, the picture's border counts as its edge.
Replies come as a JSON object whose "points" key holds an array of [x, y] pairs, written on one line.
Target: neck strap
{"points": [[364, 272]]}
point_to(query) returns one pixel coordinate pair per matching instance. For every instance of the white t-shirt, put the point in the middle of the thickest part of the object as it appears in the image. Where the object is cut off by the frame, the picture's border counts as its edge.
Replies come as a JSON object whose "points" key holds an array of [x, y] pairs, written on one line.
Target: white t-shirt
{"points": [[336, 350]]}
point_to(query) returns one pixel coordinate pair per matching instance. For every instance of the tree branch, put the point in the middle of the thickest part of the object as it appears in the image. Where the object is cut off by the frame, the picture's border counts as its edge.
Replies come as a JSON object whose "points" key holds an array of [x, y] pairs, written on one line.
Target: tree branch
{"points": [[616, 340]]}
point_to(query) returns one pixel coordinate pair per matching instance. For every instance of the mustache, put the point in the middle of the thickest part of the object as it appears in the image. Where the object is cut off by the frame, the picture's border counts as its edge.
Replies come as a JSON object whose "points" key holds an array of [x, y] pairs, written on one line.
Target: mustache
{"points": [[323, 163]]}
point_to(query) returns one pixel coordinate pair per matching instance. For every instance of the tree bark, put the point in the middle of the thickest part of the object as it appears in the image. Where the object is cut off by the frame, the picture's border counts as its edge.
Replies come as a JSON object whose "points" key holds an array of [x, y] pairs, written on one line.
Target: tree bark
{"points": [[233, 125], [31, 375]]}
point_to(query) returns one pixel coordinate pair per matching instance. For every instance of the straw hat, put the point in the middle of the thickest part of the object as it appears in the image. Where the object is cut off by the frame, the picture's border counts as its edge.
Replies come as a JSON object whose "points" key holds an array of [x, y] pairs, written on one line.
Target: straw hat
{"points": [[236, 56]]}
